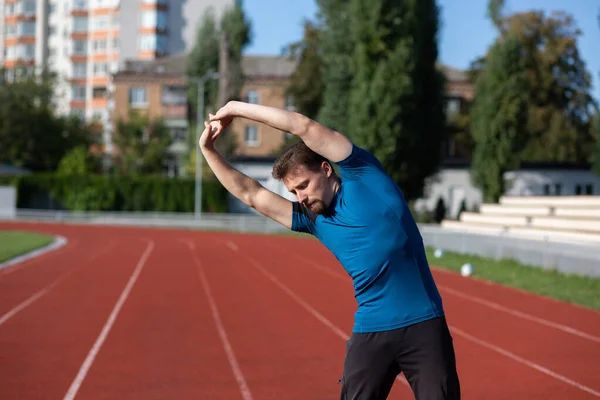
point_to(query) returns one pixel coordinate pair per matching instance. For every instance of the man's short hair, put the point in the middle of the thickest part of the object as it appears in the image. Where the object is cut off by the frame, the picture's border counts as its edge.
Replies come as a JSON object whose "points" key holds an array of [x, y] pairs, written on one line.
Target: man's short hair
{"points": [[298, 154]]}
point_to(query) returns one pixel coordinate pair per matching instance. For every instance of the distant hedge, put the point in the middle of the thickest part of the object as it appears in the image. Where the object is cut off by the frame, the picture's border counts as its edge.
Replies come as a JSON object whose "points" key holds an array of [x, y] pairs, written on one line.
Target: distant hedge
{"points": [[116, 193]]}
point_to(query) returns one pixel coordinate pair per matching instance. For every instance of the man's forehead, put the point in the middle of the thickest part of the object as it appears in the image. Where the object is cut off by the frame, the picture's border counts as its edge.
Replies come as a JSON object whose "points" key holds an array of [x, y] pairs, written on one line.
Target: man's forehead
{"points": [[296, 176]]}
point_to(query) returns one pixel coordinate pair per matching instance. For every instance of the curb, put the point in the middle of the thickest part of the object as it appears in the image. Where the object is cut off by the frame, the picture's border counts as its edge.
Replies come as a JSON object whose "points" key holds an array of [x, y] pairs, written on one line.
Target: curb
{"points": [[59, 241]]}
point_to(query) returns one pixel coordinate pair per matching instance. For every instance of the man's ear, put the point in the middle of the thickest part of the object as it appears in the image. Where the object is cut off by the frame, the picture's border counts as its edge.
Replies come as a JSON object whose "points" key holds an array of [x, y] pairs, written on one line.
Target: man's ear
{"points": [[327, 168]]}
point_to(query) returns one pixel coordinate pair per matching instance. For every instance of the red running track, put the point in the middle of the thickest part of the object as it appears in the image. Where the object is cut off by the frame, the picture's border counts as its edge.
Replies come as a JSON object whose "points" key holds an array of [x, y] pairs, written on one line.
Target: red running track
{"points": [[148, 313]]}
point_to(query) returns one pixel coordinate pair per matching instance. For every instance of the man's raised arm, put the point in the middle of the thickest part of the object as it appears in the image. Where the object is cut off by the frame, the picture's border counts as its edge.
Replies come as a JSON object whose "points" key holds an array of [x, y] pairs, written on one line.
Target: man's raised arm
{"points": [[330, 144], [246, 189]]}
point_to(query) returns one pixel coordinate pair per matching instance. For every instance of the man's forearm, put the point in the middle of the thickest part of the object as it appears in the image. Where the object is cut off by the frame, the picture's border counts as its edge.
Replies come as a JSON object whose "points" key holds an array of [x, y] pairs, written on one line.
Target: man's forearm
{"points": [[287, 121], [238, 184]]}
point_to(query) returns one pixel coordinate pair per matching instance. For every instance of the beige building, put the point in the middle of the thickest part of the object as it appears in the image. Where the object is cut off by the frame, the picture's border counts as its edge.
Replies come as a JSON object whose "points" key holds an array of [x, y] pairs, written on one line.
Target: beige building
{"points": [[266, 80], [158, 88]]}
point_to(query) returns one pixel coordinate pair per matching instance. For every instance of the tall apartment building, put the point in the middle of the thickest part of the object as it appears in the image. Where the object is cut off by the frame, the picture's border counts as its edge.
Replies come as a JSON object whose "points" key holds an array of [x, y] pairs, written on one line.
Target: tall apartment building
{"points": [[86, 41]]}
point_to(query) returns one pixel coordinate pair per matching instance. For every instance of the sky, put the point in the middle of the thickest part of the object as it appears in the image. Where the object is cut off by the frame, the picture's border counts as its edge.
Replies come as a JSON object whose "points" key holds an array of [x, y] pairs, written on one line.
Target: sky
{"points": [[465, 34]]}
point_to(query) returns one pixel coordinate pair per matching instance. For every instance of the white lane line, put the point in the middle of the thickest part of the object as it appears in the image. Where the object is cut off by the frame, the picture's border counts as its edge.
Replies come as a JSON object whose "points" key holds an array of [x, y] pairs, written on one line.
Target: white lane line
{"points": [[18, 263], [47, 289], [521, 360], [72, 392], [520, 314], [311, 310], [517, 290], [237, 371]]}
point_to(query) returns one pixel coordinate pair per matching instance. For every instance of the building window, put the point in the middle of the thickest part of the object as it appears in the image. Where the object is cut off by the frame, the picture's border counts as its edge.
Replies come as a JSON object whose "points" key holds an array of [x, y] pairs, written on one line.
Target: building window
{"points": [[452, 106], [29, 7], [173, 96], [79, 47], [99, 92], [11, 30], [289, 103], [78, 113], [78, 93], [79, 70], [251, 138], [137, 97], [147, 42], [149, 19], [26, 51], [27, 28], [553, 190], [252, 97], [99, 46], [80, 4], [100, 69], [179, 134], [101, 22], [80, 24]]}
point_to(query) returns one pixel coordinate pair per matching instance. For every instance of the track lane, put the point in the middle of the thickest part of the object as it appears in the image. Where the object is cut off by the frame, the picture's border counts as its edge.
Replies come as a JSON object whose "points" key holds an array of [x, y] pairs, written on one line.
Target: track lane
{"points": [[46, 343], [283, 350], [164, 343]]}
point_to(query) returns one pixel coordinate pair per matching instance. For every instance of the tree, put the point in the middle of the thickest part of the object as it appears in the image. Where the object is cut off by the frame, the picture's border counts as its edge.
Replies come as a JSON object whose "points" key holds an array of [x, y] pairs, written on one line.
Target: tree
{"points": [[499, 117], [78, 161], [32, 135], [337, 49], [218, 47], [560, 103], [203, 57], [397, 97], [142, 143], [306, 83]]}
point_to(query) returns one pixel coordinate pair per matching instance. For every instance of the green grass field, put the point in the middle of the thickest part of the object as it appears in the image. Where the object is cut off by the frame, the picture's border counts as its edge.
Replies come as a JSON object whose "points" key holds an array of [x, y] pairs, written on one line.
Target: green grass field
{"points": [[15, 243], [575, 289]]}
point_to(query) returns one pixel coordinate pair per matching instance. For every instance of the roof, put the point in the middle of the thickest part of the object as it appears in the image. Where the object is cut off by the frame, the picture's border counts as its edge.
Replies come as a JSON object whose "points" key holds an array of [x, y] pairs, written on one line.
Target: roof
{"points": [[454, 74], [175, 65], [268, 66], [254, 66]]}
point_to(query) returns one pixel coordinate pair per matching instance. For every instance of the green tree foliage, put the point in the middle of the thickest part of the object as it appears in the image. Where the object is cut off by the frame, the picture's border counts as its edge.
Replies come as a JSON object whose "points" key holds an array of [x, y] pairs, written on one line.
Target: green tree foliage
{"points": [[203, 57], [219, 47], [337, 50], [499, 117], [32, 135], [235, 36], [142, 144], [397, 98], [306, 83], [78, 161], [560, 103]]}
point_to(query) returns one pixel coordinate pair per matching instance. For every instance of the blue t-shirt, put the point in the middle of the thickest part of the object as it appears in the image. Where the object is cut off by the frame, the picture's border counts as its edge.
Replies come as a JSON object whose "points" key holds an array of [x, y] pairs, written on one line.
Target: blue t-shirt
{"points": [[370, 230]]}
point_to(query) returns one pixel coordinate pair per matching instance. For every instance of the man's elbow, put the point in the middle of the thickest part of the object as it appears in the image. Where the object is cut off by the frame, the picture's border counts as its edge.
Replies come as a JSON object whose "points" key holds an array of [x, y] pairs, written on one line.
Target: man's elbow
{"points": [[249, 195], [303, 126]]}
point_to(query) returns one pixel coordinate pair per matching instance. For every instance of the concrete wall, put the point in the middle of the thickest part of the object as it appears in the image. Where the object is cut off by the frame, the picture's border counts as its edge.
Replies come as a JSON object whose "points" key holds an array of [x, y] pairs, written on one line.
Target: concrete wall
{"points": [[8, 202]]}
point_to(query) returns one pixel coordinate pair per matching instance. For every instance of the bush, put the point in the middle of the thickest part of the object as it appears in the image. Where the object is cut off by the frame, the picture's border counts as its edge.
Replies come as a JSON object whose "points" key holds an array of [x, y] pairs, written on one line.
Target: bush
{"points": [[90, 192]]}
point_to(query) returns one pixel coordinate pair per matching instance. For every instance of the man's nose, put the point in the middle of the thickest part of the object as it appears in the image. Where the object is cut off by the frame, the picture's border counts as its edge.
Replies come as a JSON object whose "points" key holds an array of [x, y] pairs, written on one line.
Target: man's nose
{"points": [[302, 197]]}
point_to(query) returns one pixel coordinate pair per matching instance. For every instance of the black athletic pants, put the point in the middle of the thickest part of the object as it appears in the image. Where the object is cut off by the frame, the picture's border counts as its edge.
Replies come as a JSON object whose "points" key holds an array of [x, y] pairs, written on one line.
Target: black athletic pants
{"points": [[424, 352]]}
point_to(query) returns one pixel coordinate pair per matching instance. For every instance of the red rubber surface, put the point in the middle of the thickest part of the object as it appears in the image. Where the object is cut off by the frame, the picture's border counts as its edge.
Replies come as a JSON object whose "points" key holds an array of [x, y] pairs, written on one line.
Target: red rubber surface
{"points": [[184, 314]]}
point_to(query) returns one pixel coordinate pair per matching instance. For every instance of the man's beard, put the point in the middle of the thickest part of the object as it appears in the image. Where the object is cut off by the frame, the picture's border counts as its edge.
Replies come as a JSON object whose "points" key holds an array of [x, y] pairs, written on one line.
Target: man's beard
{"points": [[318, 207]]}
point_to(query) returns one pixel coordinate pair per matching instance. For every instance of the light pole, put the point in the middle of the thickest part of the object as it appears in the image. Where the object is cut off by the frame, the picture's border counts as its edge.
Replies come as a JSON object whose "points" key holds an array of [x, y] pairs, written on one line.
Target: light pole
{"points": [[200, 82]]}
